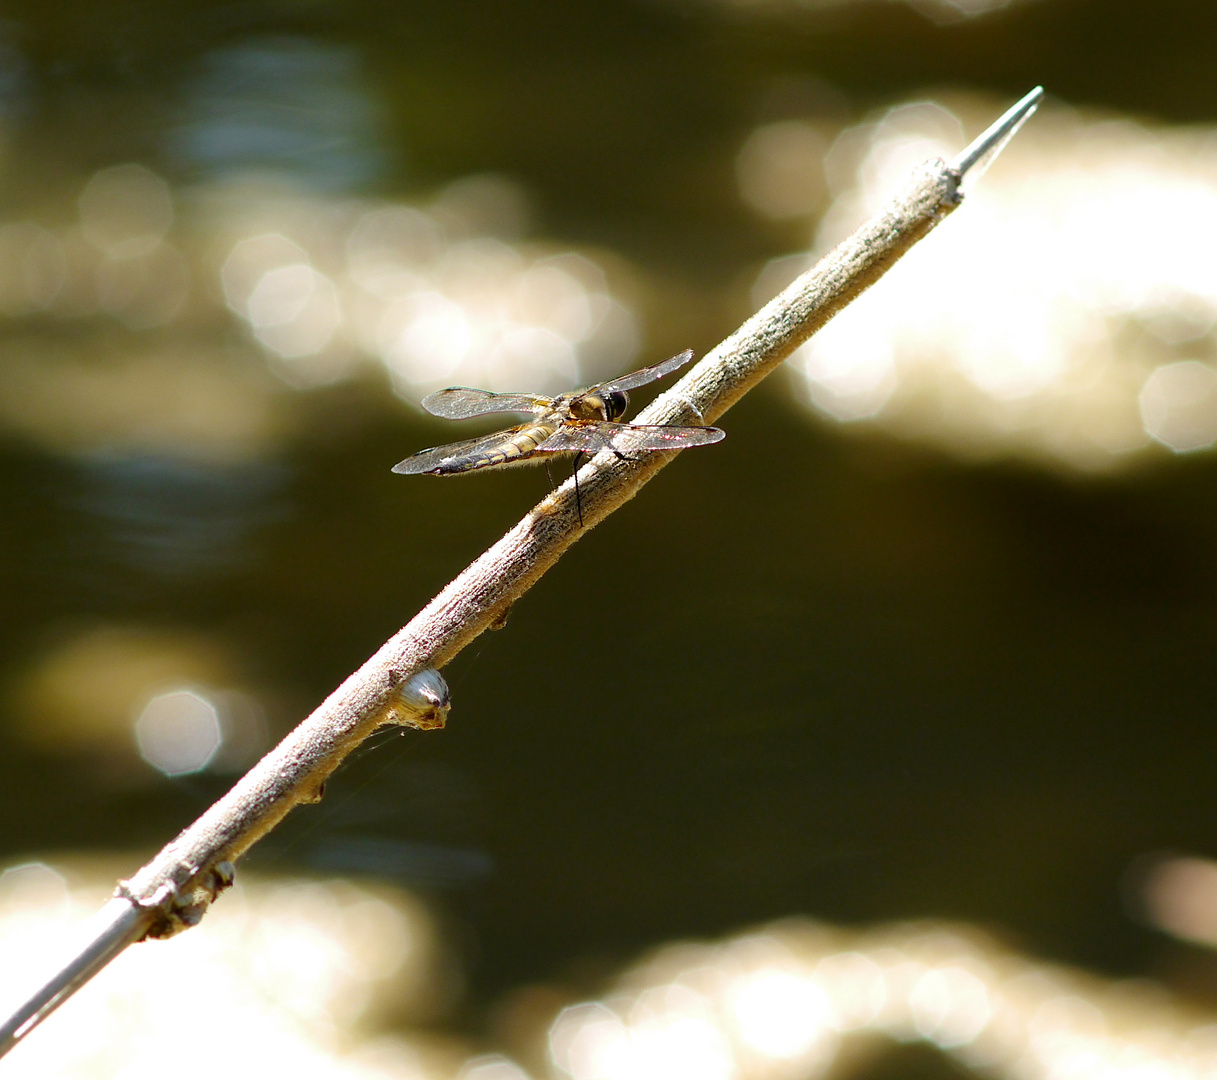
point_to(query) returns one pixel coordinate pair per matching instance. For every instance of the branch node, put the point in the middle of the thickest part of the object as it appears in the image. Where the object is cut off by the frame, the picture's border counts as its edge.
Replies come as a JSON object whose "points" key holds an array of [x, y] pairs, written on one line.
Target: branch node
{"points": [[178, 908]]}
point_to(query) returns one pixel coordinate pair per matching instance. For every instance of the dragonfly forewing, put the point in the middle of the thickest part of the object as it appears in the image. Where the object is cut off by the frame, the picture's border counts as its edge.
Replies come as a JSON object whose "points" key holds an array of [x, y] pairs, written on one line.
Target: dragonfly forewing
{"points": [[462, 402], [646, 375]]}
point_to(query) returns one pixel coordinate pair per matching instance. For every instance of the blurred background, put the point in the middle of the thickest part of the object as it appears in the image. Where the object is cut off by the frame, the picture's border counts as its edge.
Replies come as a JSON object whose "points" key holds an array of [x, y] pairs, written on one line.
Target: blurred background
{"points": [[929, 636]]}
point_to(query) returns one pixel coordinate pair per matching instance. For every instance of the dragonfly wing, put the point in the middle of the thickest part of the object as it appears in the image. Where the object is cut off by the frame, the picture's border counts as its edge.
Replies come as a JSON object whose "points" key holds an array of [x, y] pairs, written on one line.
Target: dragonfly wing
{"points": [[499, 448], [462, 402], [645, 375], [634, 438], [592, 436]]}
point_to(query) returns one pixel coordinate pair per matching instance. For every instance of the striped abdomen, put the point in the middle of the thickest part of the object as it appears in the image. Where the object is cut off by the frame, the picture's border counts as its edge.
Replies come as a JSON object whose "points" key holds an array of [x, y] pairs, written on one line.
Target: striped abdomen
{"points": [[514, 447]]}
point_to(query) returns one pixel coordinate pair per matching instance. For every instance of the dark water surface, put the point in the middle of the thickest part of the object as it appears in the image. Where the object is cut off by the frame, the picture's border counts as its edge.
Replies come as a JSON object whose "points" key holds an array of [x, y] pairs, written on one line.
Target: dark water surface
{"points": [[809, 670]]}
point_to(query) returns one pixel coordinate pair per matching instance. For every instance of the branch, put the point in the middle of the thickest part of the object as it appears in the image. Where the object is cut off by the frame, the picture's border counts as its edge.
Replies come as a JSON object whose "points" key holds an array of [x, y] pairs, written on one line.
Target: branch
{"points": [[399, 684]]}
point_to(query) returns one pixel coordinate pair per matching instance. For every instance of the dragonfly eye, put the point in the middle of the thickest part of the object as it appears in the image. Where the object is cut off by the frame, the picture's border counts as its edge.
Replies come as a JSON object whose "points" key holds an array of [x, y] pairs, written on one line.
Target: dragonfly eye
{"points": [[616, 403]]}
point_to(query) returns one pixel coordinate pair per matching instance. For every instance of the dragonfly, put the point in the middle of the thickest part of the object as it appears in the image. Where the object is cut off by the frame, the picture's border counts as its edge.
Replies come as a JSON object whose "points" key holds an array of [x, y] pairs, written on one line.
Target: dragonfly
{"points": [[579, 422]]}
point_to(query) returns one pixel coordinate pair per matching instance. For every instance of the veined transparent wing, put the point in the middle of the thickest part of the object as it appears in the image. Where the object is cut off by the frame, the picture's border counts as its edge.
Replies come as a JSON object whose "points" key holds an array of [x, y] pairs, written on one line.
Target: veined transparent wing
{"points": [[483, 452], [592, 436], [462, 402], [645, 375]]}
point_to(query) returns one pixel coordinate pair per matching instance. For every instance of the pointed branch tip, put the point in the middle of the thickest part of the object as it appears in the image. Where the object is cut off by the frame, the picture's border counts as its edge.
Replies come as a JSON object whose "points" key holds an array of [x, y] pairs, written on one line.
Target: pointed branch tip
{"points": [[980, 154]]}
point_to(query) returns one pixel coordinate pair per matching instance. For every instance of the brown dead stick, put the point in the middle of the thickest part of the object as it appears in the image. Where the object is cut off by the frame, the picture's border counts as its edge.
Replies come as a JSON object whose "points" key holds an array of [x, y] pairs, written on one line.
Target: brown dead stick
{"points": [[400, 683]]}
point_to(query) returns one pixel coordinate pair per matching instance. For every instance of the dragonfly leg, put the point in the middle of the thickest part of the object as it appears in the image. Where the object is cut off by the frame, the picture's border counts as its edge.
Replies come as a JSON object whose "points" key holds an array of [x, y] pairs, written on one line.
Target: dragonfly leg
{"points": [[578, 497]]}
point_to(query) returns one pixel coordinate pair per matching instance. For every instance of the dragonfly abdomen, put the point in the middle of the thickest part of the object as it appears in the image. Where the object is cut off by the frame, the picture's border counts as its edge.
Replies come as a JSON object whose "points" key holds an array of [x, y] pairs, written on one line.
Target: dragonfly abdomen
{"points": [[514, 449]]}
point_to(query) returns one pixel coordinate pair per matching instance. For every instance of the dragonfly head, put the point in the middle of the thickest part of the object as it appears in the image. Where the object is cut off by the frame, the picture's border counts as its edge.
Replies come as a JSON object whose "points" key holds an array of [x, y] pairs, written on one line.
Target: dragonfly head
{"points": [[615, 404], [593, 405]]}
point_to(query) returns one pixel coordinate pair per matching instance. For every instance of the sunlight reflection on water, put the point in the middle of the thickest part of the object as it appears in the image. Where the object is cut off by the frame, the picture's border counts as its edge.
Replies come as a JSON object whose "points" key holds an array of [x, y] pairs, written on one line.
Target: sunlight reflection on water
{"points": [[290, 971], [273, 142], [1066, 314], [1069, 314], [786, 999], [331, 975]]}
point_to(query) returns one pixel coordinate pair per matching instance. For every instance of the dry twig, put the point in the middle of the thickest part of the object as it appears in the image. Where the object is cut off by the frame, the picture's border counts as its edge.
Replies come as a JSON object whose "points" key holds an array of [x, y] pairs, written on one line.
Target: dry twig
{"points": [[399, 684]]}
